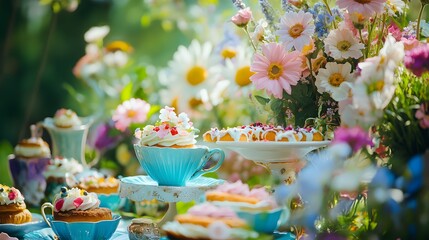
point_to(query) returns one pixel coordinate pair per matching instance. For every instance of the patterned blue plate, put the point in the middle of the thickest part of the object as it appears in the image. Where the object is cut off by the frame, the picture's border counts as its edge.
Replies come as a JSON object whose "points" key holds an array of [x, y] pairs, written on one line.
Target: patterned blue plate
{"points": [[19, 230]]}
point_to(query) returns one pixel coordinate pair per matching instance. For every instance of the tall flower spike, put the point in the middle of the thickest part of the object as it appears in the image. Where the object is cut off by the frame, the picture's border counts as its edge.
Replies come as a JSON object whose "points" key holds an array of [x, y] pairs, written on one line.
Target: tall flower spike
{"points": [[268, 11], [239, 4]]}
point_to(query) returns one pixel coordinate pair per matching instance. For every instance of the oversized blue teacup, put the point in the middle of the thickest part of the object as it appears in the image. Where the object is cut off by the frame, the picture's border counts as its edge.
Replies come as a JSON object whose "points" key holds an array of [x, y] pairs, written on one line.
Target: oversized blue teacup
{"points": [[175, 166]]}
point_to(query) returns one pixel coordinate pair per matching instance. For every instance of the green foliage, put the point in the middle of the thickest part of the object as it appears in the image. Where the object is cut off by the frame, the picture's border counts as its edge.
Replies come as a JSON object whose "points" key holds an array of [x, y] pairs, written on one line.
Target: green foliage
{"points": [[5, 149], [400, 128]]}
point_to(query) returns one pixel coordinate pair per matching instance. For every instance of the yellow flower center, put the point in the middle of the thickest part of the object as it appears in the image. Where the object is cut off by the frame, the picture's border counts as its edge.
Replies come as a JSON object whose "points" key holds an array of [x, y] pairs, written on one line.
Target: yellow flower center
{"points": [[196, 75], [119, 46], [296, 30], [131, 113], [336, 79], [228, 53], [376, 86], [194, 103], [242, 76], [175, 103], [343, 45], [275, 71], [363, 1]]}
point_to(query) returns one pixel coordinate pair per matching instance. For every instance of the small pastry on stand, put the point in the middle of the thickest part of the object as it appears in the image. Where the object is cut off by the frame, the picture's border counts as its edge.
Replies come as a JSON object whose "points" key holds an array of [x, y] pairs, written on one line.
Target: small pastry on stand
{"points": [[27, 164]]}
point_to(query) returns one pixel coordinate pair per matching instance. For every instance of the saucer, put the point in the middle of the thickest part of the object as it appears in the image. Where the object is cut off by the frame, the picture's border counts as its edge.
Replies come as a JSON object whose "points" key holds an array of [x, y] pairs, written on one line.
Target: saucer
{"points": [[138, 188], [19, 230]]}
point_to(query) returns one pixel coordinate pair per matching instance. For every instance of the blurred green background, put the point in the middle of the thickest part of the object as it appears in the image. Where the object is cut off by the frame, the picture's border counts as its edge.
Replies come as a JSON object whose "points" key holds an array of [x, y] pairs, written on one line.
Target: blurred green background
{"points": [[39, 49]]}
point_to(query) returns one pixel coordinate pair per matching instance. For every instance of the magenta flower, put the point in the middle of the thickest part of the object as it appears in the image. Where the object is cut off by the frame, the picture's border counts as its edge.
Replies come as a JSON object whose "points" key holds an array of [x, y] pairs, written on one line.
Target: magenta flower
{"points": [[417, 59], [355, 137], [131, 111], [242, 17], [103, 139], [367, 8], [422, 115], [276, 69]]}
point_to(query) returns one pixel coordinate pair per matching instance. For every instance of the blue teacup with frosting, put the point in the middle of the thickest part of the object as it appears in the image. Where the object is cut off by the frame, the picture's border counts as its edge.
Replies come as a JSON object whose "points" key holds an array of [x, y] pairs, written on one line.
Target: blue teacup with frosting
{"points": [[76, 215], [167, 150]]}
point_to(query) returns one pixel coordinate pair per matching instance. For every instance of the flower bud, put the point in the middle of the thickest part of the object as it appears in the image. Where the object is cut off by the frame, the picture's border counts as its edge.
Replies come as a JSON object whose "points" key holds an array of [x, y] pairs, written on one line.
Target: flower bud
{"points": [[242, 17]]}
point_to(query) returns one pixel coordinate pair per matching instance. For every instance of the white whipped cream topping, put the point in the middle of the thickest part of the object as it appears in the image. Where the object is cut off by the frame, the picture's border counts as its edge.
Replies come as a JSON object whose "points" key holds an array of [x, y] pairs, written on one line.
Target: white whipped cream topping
{"points": [[170, 130], [196, 231], [150, 138], [89, 201], [66, 118], [10, 195], [58, 167], [33, 147]]}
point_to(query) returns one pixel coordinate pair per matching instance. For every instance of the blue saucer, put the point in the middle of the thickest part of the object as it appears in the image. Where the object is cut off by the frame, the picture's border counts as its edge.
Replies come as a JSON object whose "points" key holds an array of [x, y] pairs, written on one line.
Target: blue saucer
{"points": [[19, 230]]}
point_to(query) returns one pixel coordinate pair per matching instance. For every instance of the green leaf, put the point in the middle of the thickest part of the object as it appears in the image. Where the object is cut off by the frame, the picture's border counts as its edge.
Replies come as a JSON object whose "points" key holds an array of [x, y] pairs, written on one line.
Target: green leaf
{"points": [[5, 176], [425, 28], [127, 91], [182, 207], [263, 101]]}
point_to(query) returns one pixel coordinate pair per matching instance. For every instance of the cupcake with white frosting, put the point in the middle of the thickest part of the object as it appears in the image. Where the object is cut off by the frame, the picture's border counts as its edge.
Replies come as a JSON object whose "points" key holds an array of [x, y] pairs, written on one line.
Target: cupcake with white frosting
{"points": [[56, 172], [66, 118]]}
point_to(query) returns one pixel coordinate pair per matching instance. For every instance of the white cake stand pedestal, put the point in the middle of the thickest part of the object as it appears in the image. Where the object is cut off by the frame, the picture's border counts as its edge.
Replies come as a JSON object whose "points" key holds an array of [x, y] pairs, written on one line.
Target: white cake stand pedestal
{"points": [[283, 159], [139, 188]]}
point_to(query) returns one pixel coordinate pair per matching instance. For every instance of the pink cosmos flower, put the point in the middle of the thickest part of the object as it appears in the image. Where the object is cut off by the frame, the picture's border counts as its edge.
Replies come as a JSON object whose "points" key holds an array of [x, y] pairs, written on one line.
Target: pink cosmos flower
{"points": [[356, 137], [242, 17], [367, 8], [422, 115], [131, 111], [276, 69]]}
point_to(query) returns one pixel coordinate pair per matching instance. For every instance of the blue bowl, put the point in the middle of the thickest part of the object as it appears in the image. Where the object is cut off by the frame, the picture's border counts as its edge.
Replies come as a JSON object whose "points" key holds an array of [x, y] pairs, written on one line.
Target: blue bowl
{"points": [[85, 230], [110, 201], [265, 221]]}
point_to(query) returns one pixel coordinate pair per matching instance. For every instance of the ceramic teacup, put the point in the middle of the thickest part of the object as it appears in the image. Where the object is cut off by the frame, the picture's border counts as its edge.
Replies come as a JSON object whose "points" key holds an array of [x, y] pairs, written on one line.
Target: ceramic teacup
{"points": [[176, 166], [265, 221], [81, 230]]}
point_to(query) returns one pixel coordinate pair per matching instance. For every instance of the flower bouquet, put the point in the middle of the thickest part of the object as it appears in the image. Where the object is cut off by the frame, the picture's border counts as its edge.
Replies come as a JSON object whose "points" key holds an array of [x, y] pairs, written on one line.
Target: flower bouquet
{"points": [[323, 66]]}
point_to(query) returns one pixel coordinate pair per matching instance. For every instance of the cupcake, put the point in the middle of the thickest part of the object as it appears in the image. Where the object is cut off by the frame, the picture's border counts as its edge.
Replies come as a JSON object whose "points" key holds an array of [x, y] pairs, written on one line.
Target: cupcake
{"points": [[171, 130], [99, 184], [77, 205], [27, 165], [207, 221], [56, 172], [66, 118], [240, 197], [12, 206], [167, 150], [256, 206]]}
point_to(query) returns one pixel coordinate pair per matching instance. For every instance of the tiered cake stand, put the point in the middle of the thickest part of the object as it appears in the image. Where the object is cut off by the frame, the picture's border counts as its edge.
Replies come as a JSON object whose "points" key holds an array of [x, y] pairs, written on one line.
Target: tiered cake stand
{"points": [[283, 159], [139, 188]]}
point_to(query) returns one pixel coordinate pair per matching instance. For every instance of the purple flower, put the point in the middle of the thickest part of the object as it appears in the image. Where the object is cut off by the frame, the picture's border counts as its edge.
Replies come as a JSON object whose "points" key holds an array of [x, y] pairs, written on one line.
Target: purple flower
{"points": [[355, 137], [417, 59], [103, 140]]}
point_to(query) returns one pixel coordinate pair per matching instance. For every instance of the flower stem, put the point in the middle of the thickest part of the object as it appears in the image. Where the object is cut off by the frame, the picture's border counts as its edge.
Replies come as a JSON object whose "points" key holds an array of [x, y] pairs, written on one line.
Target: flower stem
{"points": [[419, 20], [361, 39], [250, 38], [330, 12], [380, 36]]}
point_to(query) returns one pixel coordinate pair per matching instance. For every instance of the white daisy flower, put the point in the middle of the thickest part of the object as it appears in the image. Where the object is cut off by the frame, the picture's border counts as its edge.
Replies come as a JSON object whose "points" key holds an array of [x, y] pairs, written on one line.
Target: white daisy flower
{"points": [[192, 71], [394, 7], [262, 32], [96, 33], [296, 29], [341, 44], [352, 116], [237, 72], [375, 85], [335, 79], [392, 51]]}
